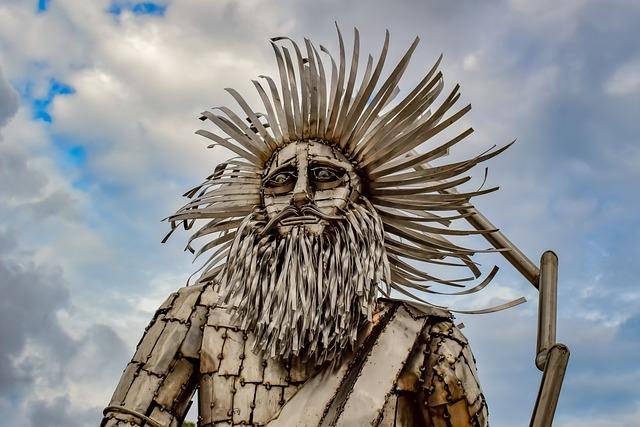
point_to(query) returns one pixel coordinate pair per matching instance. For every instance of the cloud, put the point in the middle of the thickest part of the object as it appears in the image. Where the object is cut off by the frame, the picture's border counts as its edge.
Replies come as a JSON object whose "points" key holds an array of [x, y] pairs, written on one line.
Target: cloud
{"points": [[625, 81], [47, 370], [8, 100], [81, 195]]}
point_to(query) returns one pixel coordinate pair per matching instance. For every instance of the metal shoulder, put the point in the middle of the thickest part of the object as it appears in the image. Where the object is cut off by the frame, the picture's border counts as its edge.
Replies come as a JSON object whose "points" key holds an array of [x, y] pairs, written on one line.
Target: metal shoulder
{"points": [[451, 392], [157, 385]]}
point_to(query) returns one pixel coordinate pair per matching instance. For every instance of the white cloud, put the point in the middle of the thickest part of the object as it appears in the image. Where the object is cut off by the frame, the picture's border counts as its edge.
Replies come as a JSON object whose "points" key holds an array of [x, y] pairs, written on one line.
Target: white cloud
{"points": [[141, 81], [625, 81]]}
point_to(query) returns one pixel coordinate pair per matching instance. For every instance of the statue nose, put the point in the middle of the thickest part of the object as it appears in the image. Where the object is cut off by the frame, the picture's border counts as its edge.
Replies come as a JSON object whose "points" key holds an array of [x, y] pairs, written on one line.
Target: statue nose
{"points": [[301, 191], [301, 194]]}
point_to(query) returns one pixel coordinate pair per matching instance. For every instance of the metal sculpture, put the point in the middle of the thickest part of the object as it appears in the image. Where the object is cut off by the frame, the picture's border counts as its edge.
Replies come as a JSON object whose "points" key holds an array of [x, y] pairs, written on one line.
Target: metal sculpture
{"points": [[327, 212]]}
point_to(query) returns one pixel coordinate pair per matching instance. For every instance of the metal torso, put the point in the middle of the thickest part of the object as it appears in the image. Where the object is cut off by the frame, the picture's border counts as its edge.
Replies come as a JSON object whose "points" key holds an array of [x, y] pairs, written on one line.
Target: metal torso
{"points": [[192, 343]]}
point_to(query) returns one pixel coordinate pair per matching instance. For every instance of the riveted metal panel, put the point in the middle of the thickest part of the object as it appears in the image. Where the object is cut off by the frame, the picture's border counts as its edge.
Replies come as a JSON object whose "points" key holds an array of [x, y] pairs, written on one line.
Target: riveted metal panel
{"points": [[409, 378], [243, 401], [209, 297], [299, 372], [267, 403], [220, 316], [252, 366], [450, 350], [468, 380], [191, 344], [177, 379], [149, 340], [232, 353], [205, 399], [389, 412], [211, 350], [223, 391], [288, 392], [163, 417], [381, 369], [125, 383], [459, 414], [166, 348], [141, 392], [276, 373], [184, 303], [406, 414]]}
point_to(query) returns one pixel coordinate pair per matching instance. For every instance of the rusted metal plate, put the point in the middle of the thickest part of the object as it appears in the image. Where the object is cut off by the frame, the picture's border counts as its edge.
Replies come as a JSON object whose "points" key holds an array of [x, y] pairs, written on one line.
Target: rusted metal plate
{"points": [[231, 353], [252, 366], [389, 412], [243, 402], [267, 403], [211, 350], [459, 413], [408, 380], [163, 417], [142, 390], [407, 414], [299, 372], [220, 316], [308, 404], [166, 348], [381, 369], [222, 399], [451, 350], [289, 391], [184, 303], [125, 383], [275, 373], [205, 399], [149, 340], [209, 297], [175, 381], [191, 345], [468, 379]]}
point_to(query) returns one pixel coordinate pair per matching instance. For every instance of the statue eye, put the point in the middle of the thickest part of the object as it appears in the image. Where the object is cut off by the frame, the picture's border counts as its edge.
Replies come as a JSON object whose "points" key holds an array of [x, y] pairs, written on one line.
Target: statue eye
{"points": [[325, 174], [281, 178]]}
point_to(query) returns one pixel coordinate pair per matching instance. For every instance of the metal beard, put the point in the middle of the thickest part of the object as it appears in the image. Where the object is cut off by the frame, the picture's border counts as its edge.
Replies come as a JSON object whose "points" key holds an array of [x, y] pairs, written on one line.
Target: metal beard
{"points": [[306, 296]]}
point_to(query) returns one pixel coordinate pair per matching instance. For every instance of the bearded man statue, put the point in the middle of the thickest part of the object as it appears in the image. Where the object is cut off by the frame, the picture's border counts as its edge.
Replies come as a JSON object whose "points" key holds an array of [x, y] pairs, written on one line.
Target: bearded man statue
{"points": [[331, 209]]}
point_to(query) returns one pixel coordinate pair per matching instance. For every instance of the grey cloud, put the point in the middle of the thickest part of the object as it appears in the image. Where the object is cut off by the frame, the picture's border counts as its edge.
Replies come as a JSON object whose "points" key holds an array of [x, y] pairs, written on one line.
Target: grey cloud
{"points": [[8, 100], [61, 413], [36, 351], [32, 294], [18, 179]]}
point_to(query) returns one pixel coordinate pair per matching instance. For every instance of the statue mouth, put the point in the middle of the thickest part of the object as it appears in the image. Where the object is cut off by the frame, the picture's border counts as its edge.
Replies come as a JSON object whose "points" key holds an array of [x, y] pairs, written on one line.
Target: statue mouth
{"points": [[300, 220], [293, 216]]}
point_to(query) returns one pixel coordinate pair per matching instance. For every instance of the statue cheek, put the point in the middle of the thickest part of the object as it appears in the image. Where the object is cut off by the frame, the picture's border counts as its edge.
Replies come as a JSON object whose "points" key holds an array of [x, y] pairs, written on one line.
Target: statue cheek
{"points": [[332, 201]]}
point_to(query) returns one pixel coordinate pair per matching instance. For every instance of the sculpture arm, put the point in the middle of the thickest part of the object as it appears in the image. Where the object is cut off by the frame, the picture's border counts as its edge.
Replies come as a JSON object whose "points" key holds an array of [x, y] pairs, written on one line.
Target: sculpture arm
{"points": [[451, 391], [157, 385]]}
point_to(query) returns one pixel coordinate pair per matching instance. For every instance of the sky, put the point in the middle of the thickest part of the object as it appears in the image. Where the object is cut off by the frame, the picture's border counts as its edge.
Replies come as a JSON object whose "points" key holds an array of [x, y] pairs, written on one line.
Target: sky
{"points": [[98, 107]]}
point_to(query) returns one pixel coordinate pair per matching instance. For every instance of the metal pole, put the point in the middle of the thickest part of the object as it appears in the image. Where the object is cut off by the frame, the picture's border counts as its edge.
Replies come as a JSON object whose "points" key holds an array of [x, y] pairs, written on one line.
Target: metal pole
{"points": [[499, 241], [555, 367], [547, 306]]}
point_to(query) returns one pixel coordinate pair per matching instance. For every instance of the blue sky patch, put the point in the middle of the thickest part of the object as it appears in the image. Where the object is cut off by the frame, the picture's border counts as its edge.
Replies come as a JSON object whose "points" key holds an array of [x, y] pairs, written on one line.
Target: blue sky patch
{"points": [[40, 106], [77, 155], [43, 5], [137, 8]]}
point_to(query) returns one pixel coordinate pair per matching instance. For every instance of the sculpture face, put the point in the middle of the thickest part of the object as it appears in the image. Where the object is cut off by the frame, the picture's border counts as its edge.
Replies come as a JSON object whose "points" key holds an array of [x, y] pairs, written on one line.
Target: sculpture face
{"points": [[308, 184]]}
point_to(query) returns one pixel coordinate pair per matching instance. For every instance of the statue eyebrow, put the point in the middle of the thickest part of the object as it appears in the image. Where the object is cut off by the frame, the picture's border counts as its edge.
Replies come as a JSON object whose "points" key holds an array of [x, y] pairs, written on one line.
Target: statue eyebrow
{"points": [[333, 163]]}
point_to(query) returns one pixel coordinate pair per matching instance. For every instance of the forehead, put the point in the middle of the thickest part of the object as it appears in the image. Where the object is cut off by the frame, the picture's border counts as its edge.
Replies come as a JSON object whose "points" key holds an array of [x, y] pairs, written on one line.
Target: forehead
{"points": [[311, 151]]}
